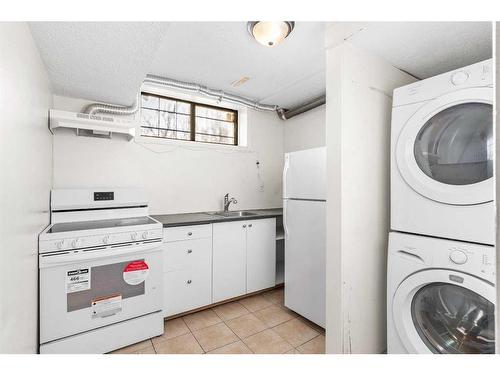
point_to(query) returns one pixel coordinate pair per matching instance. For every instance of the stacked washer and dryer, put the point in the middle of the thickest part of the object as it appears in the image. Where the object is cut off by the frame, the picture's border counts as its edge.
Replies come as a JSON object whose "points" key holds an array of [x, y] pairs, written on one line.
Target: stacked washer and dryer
{"points": [[441, 260]]}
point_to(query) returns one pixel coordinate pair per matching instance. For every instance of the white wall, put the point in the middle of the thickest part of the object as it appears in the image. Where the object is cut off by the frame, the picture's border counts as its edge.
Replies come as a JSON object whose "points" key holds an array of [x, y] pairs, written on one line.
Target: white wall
{"points": [[25, 162], [307, 130], [178, 178], [359, 89]]}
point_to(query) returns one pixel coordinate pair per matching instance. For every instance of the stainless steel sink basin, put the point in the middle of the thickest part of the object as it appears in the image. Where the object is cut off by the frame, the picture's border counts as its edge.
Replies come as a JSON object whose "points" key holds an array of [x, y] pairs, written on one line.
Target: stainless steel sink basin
{"points": [[234, 213]]}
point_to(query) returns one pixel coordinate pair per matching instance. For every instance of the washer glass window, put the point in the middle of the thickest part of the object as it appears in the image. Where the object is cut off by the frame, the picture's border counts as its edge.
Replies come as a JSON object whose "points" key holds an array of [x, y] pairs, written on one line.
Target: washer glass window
{"points": [[455, 146], [452, 319]]}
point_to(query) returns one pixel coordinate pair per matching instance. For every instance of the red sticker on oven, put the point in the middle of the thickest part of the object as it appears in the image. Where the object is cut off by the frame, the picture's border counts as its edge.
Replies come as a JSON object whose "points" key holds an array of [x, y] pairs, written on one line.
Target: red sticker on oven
{"points": [[135, 272]]}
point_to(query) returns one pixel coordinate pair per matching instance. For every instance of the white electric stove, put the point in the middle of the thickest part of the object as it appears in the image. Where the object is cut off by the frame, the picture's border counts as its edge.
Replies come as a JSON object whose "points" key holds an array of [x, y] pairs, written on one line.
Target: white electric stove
{"points": [[100, 272]]}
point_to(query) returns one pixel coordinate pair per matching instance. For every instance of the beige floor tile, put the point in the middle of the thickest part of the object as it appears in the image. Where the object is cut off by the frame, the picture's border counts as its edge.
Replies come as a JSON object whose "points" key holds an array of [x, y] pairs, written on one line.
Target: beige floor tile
{"points": [[314, 326], [246, 325], [276, 296], [173, 328], [215, 336], [296, 332], [293, 351], [237, 347], [315, 346], [185, 344], [150, 350], [255, 303], [143, 345], [273, 315], [230, 310], [201, 319], [267, 342]]}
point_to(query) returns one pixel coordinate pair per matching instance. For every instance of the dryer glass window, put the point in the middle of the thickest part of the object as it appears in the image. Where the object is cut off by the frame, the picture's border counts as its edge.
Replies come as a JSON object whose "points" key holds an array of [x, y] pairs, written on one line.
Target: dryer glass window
{"points": [[456, 145], [452, 319]]}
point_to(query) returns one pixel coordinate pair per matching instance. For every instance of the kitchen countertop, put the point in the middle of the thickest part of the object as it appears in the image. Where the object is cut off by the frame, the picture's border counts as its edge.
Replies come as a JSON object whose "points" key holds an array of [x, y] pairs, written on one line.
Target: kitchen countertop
{"points": [[196, 218]]}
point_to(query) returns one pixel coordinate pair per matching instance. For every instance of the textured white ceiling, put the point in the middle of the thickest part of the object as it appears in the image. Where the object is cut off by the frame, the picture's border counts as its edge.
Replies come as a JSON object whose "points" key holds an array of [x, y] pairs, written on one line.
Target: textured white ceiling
{"points": [[102, 61], [425, 49], [218, 53], [108, 61]]}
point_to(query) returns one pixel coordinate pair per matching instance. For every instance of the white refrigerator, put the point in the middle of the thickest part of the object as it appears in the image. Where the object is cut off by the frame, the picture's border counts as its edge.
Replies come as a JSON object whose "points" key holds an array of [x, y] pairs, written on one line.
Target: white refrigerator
{"points": [[304, 222]]}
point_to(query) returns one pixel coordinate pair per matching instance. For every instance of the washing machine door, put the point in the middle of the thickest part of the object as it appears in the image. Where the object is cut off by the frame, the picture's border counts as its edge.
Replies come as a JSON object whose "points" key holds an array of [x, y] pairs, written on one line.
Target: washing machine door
{"points": [[446, 312], [445, 150]]}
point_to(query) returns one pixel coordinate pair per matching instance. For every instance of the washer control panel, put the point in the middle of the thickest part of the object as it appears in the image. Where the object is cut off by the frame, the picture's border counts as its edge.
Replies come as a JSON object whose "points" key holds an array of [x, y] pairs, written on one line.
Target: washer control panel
{"points": [[475, 259]]}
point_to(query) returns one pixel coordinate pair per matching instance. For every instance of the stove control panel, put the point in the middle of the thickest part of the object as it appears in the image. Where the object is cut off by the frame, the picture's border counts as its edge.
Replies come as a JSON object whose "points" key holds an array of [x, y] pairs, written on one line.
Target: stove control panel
{"points": [[100, 240]]}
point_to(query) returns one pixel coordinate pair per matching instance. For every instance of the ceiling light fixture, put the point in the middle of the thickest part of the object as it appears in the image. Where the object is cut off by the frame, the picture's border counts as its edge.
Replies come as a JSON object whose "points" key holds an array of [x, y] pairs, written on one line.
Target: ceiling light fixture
{"points": [[270, 33]]}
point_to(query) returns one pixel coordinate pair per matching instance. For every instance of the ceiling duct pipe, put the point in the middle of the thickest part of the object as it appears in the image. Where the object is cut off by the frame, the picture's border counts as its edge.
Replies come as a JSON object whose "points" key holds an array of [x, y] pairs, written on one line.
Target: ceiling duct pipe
{"points": [[288, 114], [206, 91], [95, 108]]}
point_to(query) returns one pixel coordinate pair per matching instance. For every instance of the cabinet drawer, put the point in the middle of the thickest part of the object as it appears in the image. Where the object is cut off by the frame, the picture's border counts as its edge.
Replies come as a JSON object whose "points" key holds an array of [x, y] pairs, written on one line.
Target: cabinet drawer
{"points": [[186, 289], [187, 254], [187, 232]]}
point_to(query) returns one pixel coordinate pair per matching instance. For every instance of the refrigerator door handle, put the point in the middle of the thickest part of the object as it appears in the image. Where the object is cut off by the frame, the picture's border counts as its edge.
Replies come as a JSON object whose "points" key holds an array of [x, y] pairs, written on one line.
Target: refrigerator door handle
{"points": [[285, 173], [285, 228]]}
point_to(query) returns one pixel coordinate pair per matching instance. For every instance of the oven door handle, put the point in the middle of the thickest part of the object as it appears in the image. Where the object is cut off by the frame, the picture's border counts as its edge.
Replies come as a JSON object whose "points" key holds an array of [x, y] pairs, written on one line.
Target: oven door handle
{"points": [[52, 260]]}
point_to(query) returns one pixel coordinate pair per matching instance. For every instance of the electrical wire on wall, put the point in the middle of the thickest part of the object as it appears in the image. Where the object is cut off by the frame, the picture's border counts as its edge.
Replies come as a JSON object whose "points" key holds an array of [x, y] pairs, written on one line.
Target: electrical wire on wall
{"points": [[259, 177]]}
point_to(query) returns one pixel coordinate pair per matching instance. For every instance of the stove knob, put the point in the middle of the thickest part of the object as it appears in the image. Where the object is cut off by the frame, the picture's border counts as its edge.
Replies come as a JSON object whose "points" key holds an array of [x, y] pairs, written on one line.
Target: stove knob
{"points": [[106, 239], [133, 236], [145, 235], [60, 244], [76, 242]]}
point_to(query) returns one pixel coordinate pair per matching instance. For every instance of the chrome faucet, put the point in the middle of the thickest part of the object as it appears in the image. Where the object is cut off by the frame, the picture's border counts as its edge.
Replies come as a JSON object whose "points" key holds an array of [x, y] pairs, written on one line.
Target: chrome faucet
{"points": [[228, 201]]}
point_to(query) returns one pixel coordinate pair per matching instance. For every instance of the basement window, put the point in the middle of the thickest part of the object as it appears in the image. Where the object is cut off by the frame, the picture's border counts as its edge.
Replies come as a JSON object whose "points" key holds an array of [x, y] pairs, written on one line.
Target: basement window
{"points": [[170, 118]]}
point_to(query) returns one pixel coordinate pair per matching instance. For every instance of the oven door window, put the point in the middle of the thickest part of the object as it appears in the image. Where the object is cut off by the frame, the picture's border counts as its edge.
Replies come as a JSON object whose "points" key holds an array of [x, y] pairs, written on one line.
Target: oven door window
{"points": [[106, 282]]}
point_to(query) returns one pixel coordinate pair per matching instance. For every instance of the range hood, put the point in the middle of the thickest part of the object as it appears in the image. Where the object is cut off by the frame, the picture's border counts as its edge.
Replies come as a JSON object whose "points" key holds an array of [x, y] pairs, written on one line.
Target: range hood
{"points": [[92, 125]]}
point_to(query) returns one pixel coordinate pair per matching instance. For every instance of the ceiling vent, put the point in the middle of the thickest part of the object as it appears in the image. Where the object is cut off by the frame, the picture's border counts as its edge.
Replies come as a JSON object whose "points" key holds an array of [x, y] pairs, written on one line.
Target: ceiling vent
{"points": [[92, 125], [240, 81]]}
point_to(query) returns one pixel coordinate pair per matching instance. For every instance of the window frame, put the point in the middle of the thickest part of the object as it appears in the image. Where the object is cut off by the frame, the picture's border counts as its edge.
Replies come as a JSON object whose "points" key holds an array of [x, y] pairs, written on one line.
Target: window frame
{"points": [[192, 128]]}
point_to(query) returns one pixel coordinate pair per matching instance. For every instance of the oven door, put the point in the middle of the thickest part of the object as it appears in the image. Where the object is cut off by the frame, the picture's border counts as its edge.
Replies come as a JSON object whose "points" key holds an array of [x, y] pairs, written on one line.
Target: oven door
{"points": [[91, 288]]}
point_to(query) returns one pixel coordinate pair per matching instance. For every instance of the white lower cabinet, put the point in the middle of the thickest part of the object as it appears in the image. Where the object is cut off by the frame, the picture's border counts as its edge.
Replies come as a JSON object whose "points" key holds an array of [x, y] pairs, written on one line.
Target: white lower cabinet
{"points": [[261, 254], [187, 266], [244, 257], [205, 264], [229, 260]]}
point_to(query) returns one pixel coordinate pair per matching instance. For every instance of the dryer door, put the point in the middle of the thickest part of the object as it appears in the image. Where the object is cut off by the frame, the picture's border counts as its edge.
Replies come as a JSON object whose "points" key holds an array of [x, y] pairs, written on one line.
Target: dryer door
{"points": [[445, 312], [445, 150]]}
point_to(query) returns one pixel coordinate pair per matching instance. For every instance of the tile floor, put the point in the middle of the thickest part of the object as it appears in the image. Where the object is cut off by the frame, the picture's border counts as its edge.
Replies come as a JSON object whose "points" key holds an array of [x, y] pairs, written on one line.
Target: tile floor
{"points": [[258, 324]]}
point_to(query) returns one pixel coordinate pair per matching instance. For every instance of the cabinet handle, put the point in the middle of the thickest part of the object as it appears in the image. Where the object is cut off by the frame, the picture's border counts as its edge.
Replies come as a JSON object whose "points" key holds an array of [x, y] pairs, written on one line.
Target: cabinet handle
{"points": [[190, 251], [190, 233], [189, 281], [244, 225], [249, 225]]}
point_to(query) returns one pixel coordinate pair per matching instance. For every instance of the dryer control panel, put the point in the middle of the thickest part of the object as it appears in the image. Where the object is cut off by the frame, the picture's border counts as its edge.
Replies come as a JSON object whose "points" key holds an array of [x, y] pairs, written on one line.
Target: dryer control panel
{"points": [[476, 75]]}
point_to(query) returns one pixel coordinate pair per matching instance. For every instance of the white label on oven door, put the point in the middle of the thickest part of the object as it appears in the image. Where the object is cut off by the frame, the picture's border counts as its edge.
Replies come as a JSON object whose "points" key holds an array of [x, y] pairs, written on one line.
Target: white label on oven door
{"points": [[77, 280], [106, 306], [135, 272]]}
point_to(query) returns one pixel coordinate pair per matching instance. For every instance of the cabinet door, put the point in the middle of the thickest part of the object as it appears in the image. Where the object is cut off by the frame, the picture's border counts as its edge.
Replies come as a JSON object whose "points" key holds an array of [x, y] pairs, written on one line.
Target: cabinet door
{"points": [[186, 289], [229, 260], [261, 254]]}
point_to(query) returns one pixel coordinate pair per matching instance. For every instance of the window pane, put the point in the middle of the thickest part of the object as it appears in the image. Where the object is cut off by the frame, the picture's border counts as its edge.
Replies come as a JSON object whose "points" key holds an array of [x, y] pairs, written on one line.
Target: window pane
{"points": [[215, 114], [213, 139], [172, 134], [214, 127], [149, 101], [167, 105], [149, 118], [183, 108], [167, 120], [149, 132]]}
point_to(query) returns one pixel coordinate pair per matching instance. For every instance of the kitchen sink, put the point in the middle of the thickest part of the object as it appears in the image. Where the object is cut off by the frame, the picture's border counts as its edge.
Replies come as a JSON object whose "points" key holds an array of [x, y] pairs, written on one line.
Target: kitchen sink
{"points": [[234, 213]]}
